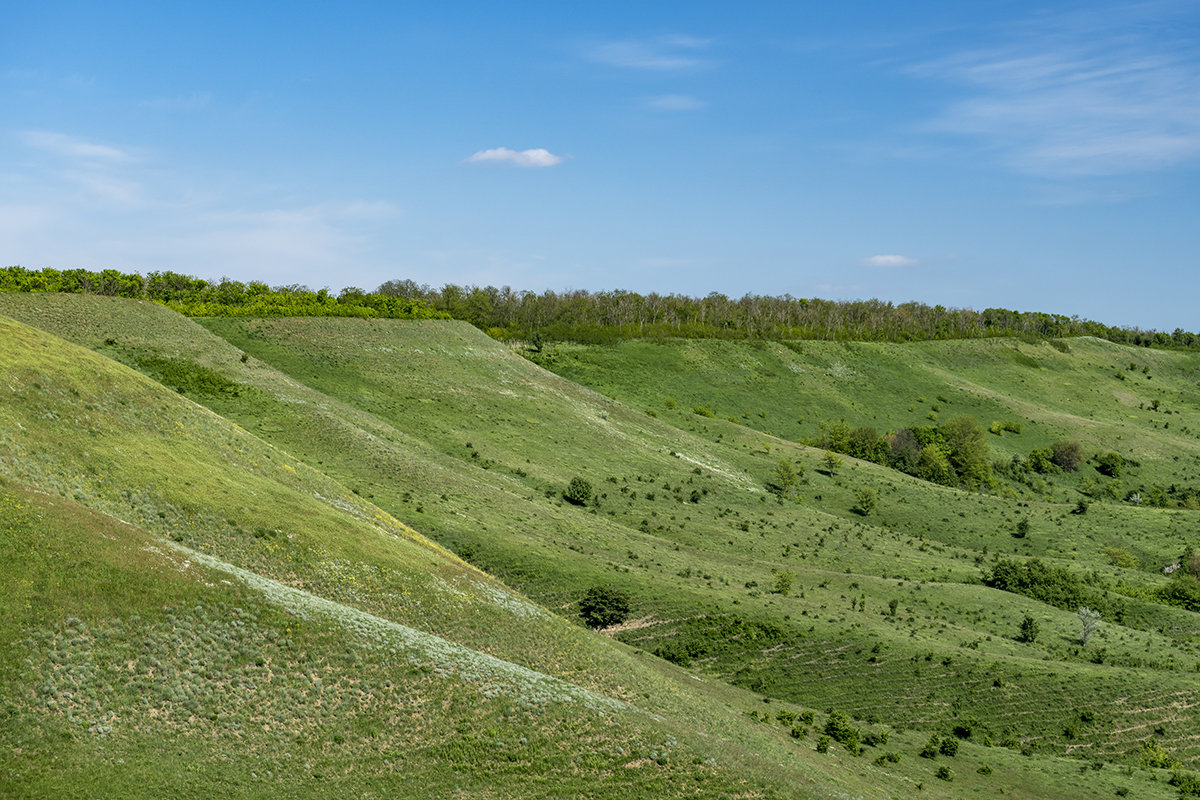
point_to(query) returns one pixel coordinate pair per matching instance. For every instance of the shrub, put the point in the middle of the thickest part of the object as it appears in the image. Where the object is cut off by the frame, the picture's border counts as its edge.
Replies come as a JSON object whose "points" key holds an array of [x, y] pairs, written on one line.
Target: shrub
{"points": [[1041, 460], [944, 773], [839, 727], [1033, 578], [873, 739], [1029, 630], [969, 454], [930, 750], [783, 581], [949, 746], [603, 606], [823, 744], [1119, 557], [866, 501], [579, 492], [1109, 464], [784, 479], [1155, 755], [1067, 454], [1183, 590], [1186, 781]]}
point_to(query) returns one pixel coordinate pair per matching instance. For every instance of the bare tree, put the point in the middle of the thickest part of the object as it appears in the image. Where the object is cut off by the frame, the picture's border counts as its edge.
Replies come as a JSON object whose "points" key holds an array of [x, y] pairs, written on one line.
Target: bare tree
{"points": [[1090, 622]]}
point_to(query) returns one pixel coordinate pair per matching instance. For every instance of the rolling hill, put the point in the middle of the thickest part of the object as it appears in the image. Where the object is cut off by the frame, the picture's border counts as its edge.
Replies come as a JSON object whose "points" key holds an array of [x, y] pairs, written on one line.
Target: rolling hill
{"points": [[308, 517]]}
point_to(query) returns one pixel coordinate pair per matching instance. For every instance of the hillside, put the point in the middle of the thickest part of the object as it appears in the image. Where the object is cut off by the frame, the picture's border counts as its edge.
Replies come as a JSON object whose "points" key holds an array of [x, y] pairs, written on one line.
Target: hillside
{"points": [[333, 430]]}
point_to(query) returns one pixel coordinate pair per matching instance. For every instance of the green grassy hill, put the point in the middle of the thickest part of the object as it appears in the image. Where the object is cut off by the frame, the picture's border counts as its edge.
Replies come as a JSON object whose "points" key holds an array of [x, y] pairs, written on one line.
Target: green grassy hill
{"points": [[281, 455]]}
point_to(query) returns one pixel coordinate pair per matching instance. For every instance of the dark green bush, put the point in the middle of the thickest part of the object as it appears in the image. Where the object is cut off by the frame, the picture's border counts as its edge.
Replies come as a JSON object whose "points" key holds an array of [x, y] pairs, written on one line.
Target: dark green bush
{"points": [[579, 492], [603, 606], [840, 728]]}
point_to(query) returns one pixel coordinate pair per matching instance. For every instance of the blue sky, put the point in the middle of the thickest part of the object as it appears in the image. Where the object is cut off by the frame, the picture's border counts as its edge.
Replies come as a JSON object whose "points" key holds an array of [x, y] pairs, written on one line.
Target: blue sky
{"points": [[1037, 156]]}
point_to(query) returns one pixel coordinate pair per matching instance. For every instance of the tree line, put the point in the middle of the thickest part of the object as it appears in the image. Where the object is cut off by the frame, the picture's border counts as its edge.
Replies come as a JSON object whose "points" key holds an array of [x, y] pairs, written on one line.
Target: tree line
{"points": [[590, 317], [196, 297]]}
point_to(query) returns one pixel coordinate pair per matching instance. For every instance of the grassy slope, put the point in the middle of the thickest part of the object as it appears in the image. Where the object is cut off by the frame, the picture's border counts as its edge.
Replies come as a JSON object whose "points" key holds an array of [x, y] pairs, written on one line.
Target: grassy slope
{"points": [[440, 381], [152, 644], [1098, 392], [436, 388]]}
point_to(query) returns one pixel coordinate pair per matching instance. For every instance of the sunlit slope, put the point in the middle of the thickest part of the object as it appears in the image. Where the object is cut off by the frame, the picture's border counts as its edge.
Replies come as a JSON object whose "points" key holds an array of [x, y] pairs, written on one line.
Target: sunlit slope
{"points": [[350, 616], [134, 668], [458, 388], [150, 674], [702, 570], [1142, 403], [118, 638]]}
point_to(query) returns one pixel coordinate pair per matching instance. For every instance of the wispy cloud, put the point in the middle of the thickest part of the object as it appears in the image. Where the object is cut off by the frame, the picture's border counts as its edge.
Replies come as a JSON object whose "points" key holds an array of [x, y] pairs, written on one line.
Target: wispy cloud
{"points": [[675, 102], [889, 261], [90, 169], [1079, 99], [71, 201], [70, 147], [538, 157], [659, 53]]}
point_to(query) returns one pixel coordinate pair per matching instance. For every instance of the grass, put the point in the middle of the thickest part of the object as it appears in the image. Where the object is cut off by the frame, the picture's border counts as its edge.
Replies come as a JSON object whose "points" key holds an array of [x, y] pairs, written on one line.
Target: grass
{"points": [[328, 432]]}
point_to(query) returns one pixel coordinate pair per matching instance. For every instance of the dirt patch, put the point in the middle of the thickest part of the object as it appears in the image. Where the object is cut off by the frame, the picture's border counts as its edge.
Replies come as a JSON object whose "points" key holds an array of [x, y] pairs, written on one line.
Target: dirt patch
{"points": [[632, 625]]}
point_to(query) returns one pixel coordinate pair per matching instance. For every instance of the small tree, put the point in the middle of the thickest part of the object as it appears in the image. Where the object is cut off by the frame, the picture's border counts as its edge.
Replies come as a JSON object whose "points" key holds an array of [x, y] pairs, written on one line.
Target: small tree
{"points": [[785, 478], [783, 580], [1089, 621], [1029, 629], [867, 502], [1022, 530], [1067, 454], [1109, 464], [833, 462], [578, 492], [842, 731], [603, 606]]}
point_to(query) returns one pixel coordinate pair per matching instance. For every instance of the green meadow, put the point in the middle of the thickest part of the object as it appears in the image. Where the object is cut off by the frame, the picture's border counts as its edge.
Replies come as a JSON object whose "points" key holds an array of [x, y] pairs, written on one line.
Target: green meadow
{"points": [[316, 556]]}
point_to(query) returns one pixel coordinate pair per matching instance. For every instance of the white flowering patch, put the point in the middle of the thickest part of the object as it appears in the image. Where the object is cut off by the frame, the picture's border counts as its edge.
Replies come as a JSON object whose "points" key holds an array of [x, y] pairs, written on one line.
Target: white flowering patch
{"points": [[509, 601], [497, 676]]}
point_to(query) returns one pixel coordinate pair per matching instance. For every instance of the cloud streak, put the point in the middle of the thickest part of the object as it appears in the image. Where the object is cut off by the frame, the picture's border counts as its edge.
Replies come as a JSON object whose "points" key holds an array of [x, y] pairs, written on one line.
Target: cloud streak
{"points": [[656, 54], [538, 157], [1078, 100], [889, 261], [69, 147], [675, 102]]}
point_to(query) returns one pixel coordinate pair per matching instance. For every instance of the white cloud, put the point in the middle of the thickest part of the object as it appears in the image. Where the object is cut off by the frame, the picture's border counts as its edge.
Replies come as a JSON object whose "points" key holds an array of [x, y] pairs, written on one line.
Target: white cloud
{"points": [[69, 147], [521, 158], [660, 53], [889, 261], [1080, 97], [675, 102]]}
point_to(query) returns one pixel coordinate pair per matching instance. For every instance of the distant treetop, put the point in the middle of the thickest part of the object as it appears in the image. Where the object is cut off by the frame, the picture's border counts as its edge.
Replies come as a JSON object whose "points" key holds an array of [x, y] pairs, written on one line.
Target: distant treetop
{"points": [[584, 316]]}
